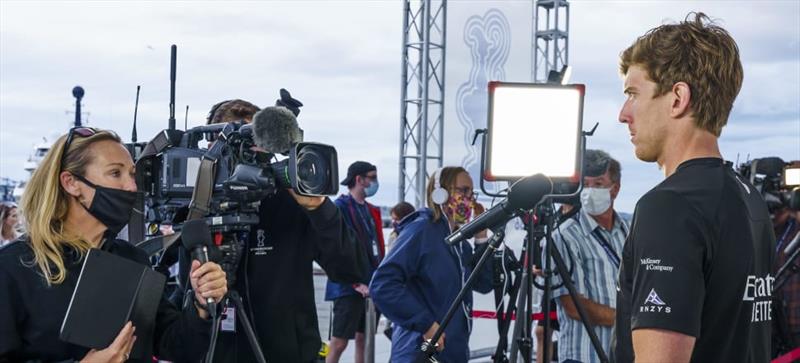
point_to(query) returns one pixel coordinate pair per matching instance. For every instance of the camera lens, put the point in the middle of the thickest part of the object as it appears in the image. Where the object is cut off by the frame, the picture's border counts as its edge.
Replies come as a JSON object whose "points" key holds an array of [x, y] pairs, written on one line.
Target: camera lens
{"points": [[313, 171]]}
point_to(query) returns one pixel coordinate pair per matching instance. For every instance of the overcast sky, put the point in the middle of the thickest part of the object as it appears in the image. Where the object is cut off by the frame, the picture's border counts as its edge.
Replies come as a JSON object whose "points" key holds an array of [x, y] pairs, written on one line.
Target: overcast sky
{"points": [[342, 59]]}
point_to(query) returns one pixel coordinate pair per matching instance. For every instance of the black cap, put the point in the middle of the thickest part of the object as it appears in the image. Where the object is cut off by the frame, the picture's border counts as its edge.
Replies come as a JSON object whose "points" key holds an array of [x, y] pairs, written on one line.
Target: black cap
{"points": [[358, 168]]}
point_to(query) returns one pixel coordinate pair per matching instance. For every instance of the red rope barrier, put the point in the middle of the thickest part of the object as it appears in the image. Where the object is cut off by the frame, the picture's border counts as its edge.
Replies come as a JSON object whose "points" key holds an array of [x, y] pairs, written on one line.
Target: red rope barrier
{"points": [[484, 314], [788, 357]]}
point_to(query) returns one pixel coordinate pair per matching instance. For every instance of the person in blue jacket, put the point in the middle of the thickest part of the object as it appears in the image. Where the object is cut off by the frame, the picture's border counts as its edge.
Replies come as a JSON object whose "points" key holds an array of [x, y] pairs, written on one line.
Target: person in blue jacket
{"points": [[421, 275]]}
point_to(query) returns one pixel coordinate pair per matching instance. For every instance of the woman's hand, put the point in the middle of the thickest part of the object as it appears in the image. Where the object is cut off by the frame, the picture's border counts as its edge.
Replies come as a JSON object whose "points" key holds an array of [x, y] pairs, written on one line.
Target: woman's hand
{"points": [[207, 281], [477, 210], [429, 335], [119, 350]]}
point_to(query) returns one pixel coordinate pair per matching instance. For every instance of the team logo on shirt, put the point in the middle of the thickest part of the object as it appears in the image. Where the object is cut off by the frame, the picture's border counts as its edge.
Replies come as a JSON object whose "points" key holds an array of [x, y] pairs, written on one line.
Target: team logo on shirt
{"points": [[759, 291], [651, 264], [654, 304], [261, 247]]}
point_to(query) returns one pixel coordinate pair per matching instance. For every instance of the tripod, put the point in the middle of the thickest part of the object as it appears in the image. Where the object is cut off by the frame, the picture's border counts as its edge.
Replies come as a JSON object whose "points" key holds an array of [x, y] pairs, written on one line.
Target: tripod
{"points": [[521, 341], [233, 253], [545, 214], [241, 317]]}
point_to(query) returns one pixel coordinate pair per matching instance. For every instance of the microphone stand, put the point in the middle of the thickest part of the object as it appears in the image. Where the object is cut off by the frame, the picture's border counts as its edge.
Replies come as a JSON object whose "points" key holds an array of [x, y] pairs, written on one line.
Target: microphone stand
{"points": [[428, 348], [545, 219]]}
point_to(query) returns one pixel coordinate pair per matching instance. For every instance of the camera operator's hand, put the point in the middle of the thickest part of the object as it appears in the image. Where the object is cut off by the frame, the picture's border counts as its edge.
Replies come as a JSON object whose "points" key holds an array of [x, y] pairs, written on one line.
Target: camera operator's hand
{"points": [[208, 280], [118, 351], [429, 335], [309, 203]]}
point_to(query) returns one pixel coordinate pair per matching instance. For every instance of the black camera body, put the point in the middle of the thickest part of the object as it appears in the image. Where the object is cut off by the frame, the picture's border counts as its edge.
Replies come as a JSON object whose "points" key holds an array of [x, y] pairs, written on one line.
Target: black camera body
{"points": [[169, 170], [769, 176]]}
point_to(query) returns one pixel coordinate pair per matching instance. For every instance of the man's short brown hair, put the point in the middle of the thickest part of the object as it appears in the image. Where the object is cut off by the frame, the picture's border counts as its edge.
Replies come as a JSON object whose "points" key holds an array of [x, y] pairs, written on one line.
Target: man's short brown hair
{"points": [[232, 110], [695, 51]]}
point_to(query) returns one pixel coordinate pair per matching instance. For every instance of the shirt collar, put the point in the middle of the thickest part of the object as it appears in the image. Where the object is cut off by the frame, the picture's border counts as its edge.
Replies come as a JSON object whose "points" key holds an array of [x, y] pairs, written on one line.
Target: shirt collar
{"points": [[588, 224]]}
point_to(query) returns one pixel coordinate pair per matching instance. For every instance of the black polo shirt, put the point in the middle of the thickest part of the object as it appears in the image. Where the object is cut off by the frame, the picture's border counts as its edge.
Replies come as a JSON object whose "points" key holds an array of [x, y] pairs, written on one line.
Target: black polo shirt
{"points": [[697, 262]]}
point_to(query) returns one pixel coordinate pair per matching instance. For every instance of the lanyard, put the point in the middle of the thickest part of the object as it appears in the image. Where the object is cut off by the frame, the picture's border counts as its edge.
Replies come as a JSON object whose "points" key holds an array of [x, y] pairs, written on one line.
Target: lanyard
{"points": [[607, 247], [365, 230], [789, 228]]}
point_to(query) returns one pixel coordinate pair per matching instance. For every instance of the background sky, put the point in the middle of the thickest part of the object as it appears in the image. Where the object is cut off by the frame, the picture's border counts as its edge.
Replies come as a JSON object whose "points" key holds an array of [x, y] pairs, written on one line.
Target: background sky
{"points": [[342, 59]]}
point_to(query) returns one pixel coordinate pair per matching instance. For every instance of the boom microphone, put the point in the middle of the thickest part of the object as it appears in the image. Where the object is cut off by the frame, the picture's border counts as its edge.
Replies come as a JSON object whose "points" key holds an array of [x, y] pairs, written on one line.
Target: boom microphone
{"points": [[523, 195], [196, 238], [275, 130]]}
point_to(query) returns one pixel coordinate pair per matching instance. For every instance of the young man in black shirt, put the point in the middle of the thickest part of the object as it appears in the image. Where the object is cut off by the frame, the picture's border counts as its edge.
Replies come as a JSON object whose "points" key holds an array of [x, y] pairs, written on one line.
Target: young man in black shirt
{"points": [[695, 282]]}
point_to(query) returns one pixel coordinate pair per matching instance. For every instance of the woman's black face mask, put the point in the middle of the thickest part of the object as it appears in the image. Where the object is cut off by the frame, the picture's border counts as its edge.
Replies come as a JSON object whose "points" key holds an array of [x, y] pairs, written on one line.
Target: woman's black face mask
{"points": [[112, 207]]}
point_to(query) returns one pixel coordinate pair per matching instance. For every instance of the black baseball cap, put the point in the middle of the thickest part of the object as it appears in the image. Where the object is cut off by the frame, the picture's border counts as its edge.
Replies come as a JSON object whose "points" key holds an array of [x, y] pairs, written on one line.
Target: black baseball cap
{"points": [[358, 168]]}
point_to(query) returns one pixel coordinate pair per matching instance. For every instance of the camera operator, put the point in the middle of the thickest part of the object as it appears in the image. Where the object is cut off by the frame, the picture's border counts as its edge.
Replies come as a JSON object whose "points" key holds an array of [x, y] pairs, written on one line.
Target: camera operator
{"points": [[275, 274], [695, 282], [79, 198]]}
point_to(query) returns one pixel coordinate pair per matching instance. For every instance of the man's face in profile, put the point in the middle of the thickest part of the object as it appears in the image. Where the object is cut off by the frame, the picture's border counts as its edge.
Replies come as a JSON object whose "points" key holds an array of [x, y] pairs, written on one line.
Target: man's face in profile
{"points": [[645, 116]]}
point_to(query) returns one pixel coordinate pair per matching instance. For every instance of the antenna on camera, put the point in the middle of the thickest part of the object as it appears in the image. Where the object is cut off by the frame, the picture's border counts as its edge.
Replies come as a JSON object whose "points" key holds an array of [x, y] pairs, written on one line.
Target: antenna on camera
{"points": [[135, 112], [173, 61], [78, 93]]}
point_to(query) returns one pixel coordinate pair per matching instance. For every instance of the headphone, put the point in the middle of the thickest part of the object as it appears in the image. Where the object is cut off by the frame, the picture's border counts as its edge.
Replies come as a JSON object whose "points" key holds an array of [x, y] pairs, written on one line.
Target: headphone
{"points": [[214, 109], [440, 195]]}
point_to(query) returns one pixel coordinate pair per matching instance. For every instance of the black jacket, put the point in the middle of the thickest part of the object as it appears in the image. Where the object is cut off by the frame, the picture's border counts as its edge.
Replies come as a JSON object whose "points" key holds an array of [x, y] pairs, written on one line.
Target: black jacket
{"points": [[275, 278], [31, 313]]}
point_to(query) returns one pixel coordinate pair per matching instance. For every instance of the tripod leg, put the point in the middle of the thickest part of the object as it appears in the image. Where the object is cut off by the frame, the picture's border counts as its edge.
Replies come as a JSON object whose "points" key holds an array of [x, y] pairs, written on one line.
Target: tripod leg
{"points": [[248, 328], [518, 325], [502, 345], [216, 320]]}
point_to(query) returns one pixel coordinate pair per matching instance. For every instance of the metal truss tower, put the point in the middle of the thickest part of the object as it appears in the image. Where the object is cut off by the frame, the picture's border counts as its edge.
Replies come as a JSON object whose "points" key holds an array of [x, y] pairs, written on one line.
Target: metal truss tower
{"points": [[550, 46], [422, 95]]}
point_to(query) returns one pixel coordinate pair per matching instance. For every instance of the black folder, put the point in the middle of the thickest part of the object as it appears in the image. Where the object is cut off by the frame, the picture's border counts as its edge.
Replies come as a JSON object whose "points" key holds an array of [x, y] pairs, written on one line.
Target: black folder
{"points": [[111, 291]]}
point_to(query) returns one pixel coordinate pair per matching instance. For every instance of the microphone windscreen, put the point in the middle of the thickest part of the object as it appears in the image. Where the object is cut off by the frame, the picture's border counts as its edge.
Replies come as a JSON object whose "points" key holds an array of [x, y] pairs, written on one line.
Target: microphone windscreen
{"points": [[195, 233], [528, 191], [275, 130]]}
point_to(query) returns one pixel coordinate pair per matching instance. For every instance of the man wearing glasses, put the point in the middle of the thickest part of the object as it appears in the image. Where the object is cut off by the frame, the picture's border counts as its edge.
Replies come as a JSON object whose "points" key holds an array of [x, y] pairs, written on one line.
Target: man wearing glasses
{"points": [[364, 221]]}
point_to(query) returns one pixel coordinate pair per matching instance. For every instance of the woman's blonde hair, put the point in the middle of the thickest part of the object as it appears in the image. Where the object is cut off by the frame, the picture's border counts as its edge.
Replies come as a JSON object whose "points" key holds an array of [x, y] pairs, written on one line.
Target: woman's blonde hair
{"points": [[45, 204], [447, 180]]}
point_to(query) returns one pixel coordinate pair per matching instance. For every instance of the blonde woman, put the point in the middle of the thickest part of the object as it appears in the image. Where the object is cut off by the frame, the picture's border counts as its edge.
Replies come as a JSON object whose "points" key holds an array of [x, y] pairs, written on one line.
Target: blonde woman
{"points": [[79, 198]]}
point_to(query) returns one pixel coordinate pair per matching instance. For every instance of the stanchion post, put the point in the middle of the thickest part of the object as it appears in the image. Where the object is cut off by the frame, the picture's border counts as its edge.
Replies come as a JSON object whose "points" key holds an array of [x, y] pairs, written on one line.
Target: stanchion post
{"points": [[369, 332]]}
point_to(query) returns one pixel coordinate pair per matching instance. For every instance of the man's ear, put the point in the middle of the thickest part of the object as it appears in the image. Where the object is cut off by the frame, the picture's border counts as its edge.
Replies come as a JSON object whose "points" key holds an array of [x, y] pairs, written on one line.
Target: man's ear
{"points": [[615, 190], [70, 183], [681, 100]]}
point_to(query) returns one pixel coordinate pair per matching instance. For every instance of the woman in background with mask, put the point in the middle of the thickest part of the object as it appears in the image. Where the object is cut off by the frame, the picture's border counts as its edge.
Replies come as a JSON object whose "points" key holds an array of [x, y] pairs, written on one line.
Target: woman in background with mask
{"points": [[79, 198], [422, 275], [9, 223]]}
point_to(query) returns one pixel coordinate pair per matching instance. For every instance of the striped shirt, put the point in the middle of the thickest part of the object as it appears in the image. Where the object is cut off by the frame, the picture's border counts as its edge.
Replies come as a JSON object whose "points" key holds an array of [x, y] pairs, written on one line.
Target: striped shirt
{"points": [[595, 254]]}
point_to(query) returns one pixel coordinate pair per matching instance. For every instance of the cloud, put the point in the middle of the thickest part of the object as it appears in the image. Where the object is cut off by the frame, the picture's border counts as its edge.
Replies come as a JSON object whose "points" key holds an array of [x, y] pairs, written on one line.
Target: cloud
{"points": [[342, 59]]}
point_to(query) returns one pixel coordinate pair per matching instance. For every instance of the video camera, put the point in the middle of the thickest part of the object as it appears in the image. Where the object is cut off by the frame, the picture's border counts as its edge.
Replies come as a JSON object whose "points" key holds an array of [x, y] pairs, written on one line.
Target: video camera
{"points": [[169, 170], [778, 181], [225, 182]]}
